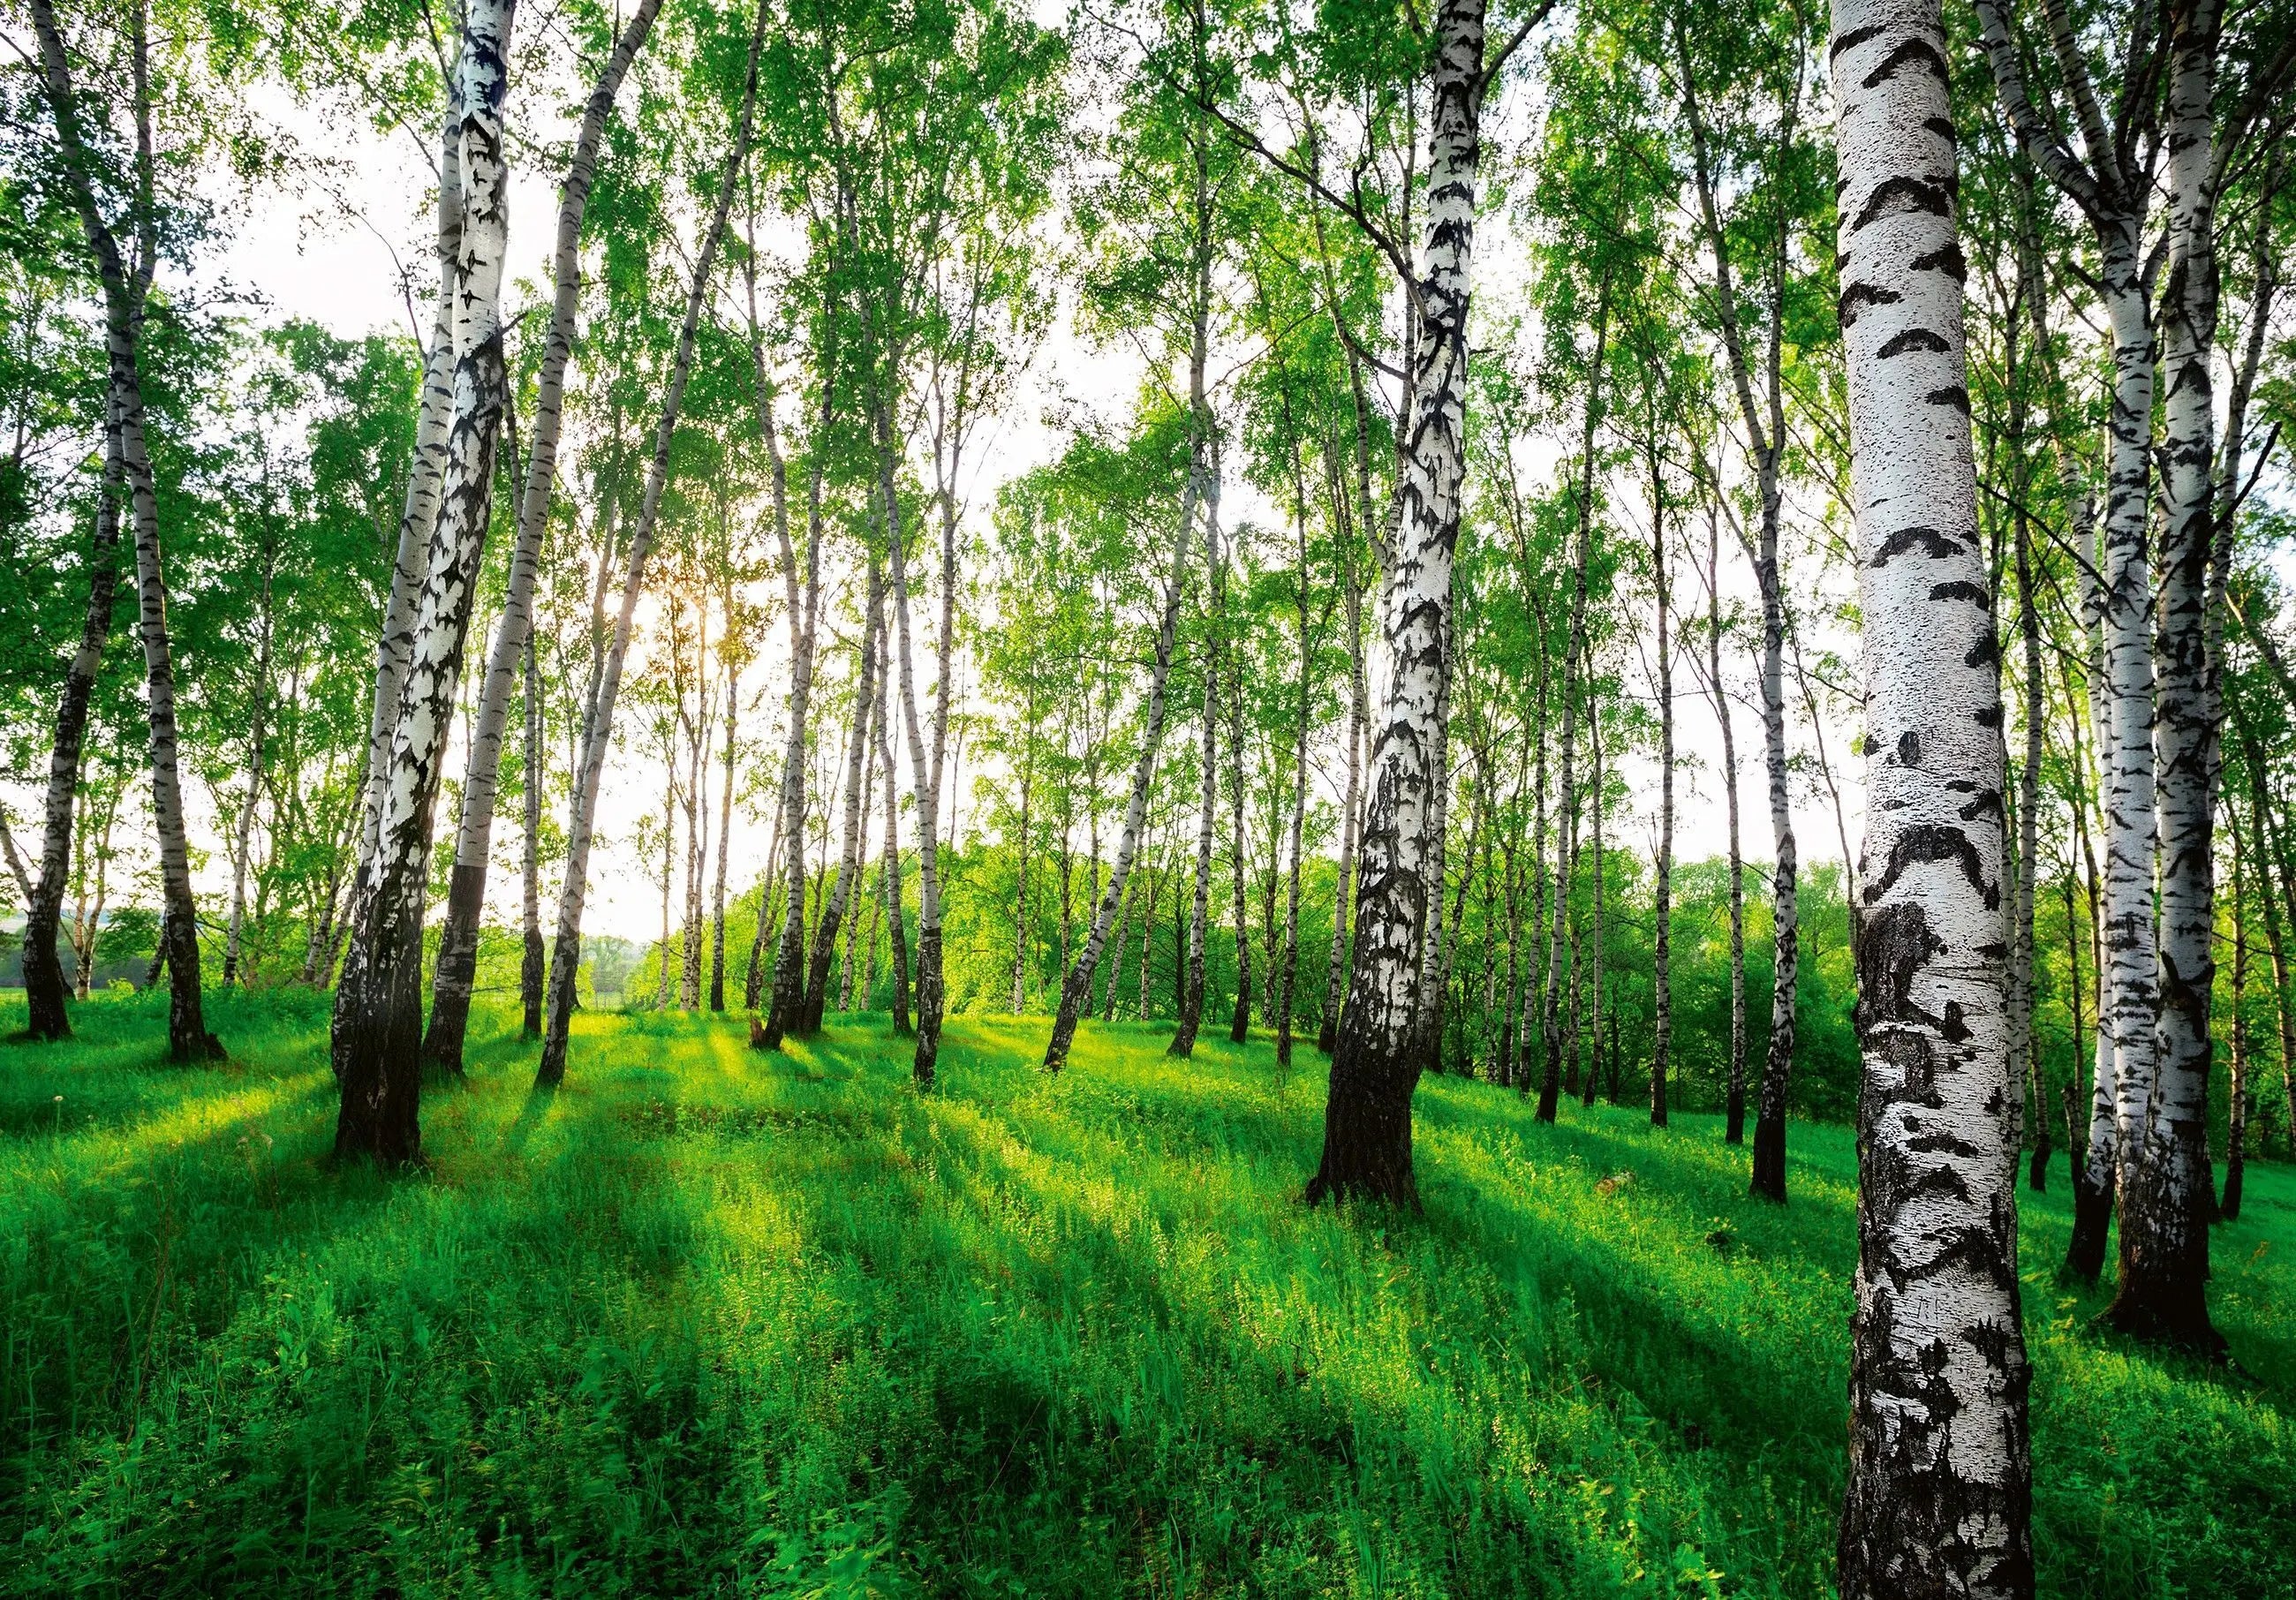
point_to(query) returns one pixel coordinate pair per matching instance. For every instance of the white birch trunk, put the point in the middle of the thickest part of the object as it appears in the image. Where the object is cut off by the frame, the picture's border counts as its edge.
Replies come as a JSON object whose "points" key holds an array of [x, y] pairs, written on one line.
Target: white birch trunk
{"points": [[566, 958], [1375, 1069], [378, 1016], [1940, 1474], [458, 940]]}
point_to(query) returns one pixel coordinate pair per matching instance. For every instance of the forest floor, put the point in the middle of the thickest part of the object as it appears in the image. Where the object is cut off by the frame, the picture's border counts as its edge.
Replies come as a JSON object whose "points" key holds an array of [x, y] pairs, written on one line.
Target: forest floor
{"points": [[711, 1322]]}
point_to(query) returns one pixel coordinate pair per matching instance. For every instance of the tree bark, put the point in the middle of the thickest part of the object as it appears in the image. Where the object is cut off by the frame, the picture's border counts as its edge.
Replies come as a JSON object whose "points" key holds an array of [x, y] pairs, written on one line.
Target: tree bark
{"points": [[1550, 1088], [243, 830], [1941, 1471], [2237, 1108], [1374, 1068], [459, 938], [533, 965], [848, 856], [804, 600], [124, 287], [895, 915], [566, 957], [43, 975], [1662, 885], [2164, 1238], [725, 813], [378, 1014]]}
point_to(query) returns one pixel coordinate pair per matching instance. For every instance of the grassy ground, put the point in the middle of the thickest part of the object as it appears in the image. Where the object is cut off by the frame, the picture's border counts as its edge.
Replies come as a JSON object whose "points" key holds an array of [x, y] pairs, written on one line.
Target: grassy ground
{"points": [[715, 1323]]}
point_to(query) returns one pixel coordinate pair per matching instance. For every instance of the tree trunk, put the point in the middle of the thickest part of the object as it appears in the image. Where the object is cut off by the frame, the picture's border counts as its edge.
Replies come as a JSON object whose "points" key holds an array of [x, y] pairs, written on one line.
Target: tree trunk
{"points": [[804, 600], [1662, 885], [244, 830], [1733, 1122], [534, 963], [896, 916], [861, 858], [1240, 1023], [1019, 1000], [43, 975], [566, 958], [1076, 988], [848, 855], [725, 816], [1940, 1472], [1550, 1088], [459, 938], [2164, 1239], [1288, 964], [2237, 1109], [1596, 1067], [2268, 862], [1190, 982], [1374, 1068], [124, 288]]}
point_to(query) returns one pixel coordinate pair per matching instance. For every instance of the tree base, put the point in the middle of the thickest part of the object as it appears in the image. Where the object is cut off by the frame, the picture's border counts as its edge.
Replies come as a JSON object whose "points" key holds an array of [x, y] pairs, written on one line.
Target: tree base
{"points": [[2178, 1319], [2092, 1223]]}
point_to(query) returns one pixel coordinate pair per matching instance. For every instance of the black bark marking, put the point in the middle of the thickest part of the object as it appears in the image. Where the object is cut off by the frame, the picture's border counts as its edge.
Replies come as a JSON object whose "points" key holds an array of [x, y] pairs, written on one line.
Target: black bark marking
{"points": [[1909, 749], [1942, 126], [1855, 37], [1987, 649], [1902, 194], [1936, 546], [1911, 51], [1987, 802], [1913, 339], [1952, 1026], [1952, 395], [1947, 259], [1976, 593], [1894, 944], [1926, 843], [1859, 296], [1988, 718]]}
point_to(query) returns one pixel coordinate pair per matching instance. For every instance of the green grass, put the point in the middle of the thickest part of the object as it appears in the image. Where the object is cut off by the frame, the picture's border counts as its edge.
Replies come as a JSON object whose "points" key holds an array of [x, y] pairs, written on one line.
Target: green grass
{"points": [[709, 1322]]}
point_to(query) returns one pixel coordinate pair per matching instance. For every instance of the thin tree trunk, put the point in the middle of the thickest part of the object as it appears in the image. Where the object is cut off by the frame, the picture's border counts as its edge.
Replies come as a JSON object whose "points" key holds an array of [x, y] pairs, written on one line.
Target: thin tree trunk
{"points": [[458, 938], [534, 964], [1594, 1067], [1288, 965], [1940, 1470], [2270, 861], [1240, 1023], [804, 600], [848, 855], [1076, 989], [1020, 1001], [1374, 1066], [1662, 885], [243, 832], [2236, 1109], [1190, 983], [752, 986], [896, 916], [43, 975], [1550, 1088], [724, 816], [566, 959], [861, 858], [124, 287], [2164, 1189]]}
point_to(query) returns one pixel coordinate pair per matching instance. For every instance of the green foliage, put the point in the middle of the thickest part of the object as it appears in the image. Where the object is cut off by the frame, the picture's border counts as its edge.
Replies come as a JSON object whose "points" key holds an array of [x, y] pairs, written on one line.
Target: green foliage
{"points": [[712, 1322]]}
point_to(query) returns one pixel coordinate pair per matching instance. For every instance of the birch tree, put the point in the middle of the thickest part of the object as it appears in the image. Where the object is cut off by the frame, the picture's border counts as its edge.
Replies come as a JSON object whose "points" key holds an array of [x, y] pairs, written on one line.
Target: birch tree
{"points": [[1940, 1474], [459, 938]]}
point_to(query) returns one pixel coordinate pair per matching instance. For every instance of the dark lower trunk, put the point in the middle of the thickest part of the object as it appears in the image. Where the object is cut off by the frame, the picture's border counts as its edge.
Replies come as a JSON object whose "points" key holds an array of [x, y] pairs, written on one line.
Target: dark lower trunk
{"points": [[458, 966], [2163, 1291], [2091, 1224], [530, 983], [44, 988], [1367, 1123], [378, 1027], [926, 1065]]}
